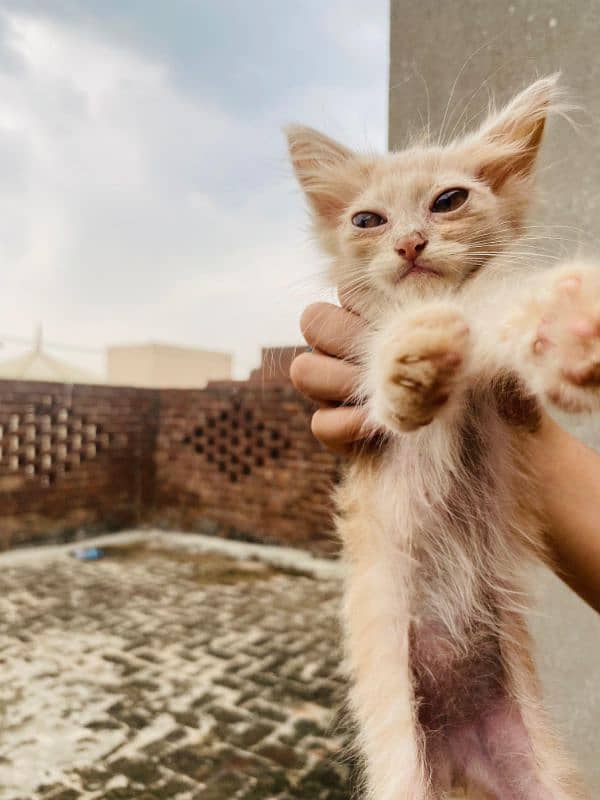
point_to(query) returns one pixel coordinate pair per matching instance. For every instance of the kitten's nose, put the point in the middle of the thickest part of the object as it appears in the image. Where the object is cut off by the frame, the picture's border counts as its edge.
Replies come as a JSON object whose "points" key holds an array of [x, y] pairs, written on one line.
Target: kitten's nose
{"points": [[411, 246]]}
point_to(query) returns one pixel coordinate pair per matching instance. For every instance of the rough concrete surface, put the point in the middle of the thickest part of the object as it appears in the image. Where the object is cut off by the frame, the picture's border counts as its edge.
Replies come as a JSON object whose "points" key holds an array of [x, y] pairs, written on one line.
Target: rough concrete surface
{"points": [[168, 672]]}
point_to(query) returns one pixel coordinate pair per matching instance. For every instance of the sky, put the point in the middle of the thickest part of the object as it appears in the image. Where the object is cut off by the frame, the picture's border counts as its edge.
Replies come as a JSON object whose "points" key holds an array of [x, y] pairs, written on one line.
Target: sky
{"points": [[145, 193]]}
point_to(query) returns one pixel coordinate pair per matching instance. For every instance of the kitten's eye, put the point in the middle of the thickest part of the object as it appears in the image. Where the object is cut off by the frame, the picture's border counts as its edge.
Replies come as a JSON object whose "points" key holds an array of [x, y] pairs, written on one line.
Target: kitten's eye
{"points": [[449, 200], [368, 219]]}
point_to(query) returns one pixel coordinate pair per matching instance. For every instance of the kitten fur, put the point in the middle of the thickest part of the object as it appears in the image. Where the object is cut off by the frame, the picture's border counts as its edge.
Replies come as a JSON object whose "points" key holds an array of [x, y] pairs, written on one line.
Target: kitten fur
{"points": [[439, 517]]}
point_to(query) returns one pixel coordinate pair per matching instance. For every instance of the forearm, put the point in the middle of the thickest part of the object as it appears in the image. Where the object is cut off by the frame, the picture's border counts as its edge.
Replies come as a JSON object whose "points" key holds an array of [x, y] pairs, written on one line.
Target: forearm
{"points": [[570, 481]]}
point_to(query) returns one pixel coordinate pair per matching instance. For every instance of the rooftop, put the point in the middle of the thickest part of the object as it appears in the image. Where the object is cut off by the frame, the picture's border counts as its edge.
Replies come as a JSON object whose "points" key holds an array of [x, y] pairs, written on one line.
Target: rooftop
{"points": [[177, 666]]}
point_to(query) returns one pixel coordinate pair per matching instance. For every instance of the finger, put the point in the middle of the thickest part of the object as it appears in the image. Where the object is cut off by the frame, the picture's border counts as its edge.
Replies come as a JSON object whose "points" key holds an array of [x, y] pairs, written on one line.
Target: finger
{"points": [[323, 377], [340, 428], [331, 329]]}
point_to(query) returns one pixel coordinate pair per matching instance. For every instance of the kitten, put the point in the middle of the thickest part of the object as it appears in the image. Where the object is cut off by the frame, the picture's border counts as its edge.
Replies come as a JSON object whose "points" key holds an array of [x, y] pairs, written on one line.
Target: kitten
{"points": [[440, 522]]}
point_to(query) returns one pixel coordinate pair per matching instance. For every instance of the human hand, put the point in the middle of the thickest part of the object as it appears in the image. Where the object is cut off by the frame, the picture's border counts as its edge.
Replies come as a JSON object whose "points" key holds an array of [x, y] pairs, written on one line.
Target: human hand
{"points": [[328, 376]]}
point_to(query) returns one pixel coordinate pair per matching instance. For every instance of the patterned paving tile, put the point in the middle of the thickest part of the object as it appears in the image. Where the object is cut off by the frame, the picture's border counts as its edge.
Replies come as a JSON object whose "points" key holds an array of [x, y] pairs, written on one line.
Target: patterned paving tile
{"points": [[162, 672]]}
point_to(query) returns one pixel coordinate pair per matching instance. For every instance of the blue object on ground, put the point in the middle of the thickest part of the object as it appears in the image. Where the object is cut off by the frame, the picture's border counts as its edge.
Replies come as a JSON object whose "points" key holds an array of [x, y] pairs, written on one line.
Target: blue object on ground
{"points": [[88, 553]]}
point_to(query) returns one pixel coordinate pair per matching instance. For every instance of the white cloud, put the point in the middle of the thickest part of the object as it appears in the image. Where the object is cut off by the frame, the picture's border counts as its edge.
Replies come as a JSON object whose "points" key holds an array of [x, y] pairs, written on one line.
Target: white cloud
{"points": [[131, 210]]}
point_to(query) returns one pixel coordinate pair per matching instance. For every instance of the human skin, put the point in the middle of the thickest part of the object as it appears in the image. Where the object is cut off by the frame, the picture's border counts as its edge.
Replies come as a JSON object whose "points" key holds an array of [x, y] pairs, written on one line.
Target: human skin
{"points": [[569, 471]]}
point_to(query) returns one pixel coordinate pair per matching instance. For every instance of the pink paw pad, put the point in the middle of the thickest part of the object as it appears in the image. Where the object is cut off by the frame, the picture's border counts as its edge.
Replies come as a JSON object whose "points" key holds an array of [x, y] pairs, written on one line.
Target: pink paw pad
{"points": [[571, 284], [584, 328]]}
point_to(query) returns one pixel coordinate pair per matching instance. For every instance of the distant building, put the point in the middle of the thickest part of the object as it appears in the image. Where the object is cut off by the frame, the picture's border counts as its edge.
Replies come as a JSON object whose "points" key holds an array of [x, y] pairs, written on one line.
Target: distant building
{"points": [[162, 366]]}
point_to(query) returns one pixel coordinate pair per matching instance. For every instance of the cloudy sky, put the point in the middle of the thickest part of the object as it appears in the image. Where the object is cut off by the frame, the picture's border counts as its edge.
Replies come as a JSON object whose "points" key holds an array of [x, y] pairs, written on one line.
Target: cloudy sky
{"points": [[144, 192]]}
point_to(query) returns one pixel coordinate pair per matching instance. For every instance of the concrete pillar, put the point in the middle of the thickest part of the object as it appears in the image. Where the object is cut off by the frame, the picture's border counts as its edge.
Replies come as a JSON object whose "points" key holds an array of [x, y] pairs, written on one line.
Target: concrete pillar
{"points": [[483, 47]]}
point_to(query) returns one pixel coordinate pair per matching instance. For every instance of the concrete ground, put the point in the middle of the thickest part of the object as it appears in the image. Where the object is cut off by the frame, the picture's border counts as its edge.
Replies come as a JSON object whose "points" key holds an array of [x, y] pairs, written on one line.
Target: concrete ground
{"points": [[170, 669]]}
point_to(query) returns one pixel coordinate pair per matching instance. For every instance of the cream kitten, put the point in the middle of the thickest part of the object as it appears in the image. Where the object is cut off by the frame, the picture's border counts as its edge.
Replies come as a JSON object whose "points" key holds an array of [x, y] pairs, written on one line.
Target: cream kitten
{"points": [[440, 521]]}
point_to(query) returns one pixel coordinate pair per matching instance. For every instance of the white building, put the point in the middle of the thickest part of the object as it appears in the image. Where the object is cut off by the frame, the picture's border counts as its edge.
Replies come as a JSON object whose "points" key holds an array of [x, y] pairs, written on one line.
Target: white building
{"points": [[158, 366]]}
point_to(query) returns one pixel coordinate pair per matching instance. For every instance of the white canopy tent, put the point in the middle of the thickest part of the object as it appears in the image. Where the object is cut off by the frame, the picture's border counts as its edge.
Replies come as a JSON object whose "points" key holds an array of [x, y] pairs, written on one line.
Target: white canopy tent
{"points": [[38, 365]]}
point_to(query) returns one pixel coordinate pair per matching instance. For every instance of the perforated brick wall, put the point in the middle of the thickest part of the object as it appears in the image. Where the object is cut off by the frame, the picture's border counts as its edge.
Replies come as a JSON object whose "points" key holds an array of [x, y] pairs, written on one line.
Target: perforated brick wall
{"points": [[239, 460], [235, 459], [73, 458]]}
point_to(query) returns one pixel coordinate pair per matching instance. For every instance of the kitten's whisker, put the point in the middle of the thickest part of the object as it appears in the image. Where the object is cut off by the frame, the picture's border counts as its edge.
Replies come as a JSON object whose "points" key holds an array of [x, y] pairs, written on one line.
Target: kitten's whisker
{"points": [[552, 226], [455, 84], [519, 254], [424, 82], [485, 82]]}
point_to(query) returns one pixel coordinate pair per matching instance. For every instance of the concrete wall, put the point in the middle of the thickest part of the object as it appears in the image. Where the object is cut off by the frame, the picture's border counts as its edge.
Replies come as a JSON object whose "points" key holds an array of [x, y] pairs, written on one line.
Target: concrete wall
{"points": [[162, 365], [500, 46]]}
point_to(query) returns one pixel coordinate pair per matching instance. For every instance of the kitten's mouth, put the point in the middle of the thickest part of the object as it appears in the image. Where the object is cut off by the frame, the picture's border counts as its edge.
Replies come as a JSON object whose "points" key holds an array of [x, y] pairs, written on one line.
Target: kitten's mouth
{"points": [[414, 268]]}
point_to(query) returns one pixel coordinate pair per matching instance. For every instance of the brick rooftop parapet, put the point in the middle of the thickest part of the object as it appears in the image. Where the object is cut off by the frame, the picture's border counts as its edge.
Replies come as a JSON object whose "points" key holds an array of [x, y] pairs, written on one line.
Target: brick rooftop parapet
{"points": [[73, 457], [240, 460], [236, 459], [275, 363]]}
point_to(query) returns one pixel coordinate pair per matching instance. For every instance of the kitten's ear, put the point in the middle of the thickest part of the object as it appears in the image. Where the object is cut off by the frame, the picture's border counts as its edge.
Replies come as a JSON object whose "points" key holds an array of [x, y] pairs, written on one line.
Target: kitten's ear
{"points": [[509, 140], [328, 172]]}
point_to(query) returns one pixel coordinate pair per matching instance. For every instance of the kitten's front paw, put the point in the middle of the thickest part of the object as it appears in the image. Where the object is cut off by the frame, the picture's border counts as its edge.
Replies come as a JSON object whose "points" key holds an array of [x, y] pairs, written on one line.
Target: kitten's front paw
{"points": [[419, 365], [566, 345]]}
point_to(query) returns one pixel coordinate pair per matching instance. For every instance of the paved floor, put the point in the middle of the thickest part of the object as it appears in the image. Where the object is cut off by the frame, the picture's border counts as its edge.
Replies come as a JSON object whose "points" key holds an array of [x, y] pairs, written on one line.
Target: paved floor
{"points": [[162, 672]]}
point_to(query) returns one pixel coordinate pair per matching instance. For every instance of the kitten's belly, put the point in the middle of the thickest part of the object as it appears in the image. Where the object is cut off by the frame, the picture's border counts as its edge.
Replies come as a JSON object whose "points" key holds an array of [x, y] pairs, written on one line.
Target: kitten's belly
{"points": [[453, 681]]}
